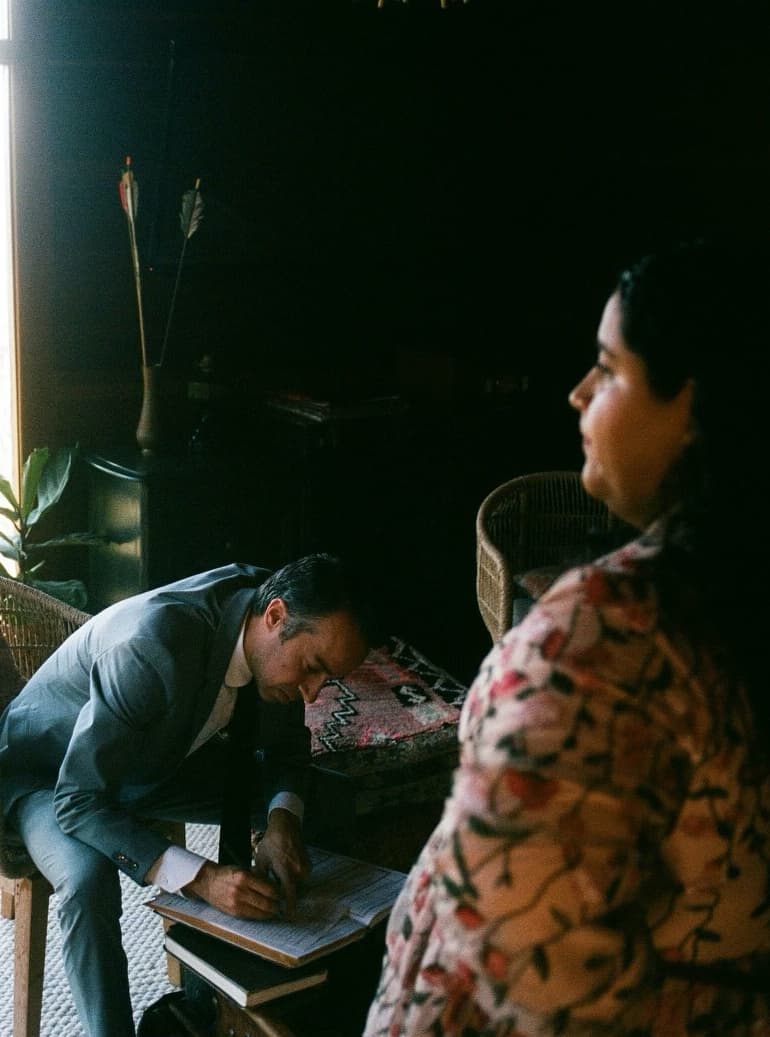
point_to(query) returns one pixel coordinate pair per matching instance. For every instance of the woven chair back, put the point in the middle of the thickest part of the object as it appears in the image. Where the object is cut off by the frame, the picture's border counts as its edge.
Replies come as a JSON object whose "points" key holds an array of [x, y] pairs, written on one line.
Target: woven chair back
{"points": [[32, 625], [533, 521]]}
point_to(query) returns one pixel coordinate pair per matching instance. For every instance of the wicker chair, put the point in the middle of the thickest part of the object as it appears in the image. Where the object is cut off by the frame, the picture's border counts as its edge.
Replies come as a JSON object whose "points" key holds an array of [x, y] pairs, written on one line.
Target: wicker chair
{"points": [[532, 525], [32, 625]]}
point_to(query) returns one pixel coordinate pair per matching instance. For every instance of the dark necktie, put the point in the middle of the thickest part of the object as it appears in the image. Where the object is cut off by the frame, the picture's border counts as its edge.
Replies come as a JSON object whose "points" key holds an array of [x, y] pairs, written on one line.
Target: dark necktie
{"points": [[238, 781]]}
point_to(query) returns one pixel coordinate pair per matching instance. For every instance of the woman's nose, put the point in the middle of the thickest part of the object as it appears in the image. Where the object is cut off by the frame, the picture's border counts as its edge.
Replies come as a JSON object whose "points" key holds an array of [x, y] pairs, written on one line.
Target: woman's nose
{"points": [[579, 396]]}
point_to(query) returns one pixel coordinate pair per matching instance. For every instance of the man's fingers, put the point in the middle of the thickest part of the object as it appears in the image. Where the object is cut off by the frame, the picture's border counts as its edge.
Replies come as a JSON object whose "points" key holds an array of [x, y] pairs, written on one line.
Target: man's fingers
{"points": [[287, 882], [239, 892], [262, 885], [269, 906]]}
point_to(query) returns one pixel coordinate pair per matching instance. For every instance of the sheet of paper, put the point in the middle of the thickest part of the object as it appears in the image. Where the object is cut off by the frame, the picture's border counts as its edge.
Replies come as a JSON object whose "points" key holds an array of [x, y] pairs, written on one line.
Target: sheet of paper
{"points": [[366, 889], [341, 895]]}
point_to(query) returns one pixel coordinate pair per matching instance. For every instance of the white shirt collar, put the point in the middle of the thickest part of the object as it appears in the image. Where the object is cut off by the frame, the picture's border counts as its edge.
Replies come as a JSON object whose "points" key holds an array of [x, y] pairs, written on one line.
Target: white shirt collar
{"points": [[238, 672]]}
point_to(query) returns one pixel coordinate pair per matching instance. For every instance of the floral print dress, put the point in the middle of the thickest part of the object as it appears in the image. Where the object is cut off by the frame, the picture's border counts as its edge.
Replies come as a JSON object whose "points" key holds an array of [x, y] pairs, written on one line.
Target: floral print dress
{"points": [[604, 830]]}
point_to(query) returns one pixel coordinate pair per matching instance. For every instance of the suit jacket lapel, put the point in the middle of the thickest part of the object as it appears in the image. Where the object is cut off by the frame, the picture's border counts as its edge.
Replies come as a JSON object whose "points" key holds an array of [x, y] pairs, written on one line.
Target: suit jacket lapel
{"points": [[224, 644]]}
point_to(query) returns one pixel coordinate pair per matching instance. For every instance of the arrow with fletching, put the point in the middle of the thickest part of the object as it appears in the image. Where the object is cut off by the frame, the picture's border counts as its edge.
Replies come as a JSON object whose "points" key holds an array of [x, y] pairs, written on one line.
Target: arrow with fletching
{"points": [[190, 216], [128, 190]]}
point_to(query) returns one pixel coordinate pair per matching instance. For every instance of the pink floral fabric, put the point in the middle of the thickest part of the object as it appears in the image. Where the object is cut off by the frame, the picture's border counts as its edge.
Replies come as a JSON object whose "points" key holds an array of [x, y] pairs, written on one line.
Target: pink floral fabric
{"points": [[604, 820]]}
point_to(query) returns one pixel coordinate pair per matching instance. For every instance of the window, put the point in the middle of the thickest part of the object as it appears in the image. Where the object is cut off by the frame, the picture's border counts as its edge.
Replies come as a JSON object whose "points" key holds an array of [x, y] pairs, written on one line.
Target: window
{"points": [[8, 415]]}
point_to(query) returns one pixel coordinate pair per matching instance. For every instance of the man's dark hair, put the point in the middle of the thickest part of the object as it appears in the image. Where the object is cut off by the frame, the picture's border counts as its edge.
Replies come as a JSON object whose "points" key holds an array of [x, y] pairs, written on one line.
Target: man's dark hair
{"points": [[316, 586]]}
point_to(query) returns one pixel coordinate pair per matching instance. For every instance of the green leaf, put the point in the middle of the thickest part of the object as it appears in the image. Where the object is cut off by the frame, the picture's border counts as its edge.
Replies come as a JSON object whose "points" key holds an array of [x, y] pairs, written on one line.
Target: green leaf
{"points": [[11, 514], [14, 539], [560, 1021], [709, 935], [50, 483], [563, 919], [512, 745], [7, 491], [562, 683], [483, 828], [454, 889], [712, 792], [540, 961], [597, 961], [8, 550], [73, 592], [68, 540], [30, 479]]}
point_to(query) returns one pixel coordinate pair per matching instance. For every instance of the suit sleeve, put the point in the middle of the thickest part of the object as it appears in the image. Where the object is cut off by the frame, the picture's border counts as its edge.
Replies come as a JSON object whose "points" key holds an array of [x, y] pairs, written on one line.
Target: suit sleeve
{"points": [[120, 740]]}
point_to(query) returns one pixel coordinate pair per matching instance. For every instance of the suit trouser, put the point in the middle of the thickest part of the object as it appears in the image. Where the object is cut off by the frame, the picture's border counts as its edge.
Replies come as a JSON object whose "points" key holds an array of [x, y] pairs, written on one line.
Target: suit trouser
{"points": [[87, 888]]}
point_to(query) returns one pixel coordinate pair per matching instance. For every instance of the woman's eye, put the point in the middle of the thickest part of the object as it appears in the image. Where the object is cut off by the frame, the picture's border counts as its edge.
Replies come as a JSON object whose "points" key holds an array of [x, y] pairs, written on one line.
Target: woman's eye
{"points": [[602, 370]]}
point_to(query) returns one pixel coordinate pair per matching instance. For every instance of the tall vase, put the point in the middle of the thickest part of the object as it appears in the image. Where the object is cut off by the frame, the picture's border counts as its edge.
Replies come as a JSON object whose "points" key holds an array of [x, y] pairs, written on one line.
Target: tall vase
{"points": [[148, 430]]}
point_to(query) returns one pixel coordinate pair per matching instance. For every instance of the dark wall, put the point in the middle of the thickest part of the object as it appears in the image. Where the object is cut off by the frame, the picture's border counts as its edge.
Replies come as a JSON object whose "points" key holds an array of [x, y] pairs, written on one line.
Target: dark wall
{"points": [[463, 180], [415, 201]]}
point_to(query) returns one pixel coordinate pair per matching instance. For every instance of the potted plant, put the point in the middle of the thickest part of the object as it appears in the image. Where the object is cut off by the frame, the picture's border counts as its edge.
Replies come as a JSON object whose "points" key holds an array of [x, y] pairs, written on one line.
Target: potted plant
{"points": [[43, 480]]}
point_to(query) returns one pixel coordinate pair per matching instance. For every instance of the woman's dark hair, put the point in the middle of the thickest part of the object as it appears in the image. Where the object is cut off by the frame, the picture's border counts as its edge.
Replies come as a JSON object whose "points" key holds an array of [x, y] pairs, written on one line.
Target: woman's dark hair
{"points": [[700, 311], [316, 586]]}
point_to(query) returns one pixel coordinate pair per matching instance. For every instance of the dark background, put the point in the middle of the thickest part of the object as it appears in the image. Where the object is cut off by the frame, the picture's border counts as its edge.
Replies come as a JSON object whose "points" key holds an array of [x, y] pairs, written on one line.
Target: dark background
{"points": [[424, 203]]}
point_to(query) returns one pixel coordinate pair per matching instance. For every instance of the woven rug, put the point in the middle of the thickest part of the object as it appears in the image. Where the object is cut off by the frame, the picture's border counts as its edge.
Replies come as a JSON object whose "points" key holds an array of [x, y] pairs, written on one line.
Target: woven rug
{"points": [[142, 938], [397, 700]]}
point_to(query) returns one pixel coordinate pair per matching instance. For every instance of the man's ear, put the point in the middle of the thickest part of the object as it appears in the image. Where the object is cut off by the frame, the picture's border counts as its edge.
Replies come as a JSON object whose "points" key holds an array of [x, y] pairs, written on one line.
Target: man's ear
{"points": [[275, 614]]}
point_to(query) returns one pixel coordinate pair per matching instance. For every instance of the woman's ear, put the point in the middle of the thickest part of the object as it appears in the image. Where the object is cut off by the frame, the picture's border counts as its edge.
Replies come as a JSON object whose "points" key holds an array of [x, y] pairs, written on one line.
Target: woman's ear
{"points": [[691, 432]]}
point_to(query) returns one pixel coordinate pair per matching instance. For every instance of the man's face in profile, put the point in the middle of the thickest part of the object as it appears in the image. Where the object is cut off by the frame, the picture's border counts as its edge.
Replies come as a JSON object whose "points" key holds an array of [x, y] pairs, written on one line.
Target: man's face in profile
{"points": [[287, 670]]}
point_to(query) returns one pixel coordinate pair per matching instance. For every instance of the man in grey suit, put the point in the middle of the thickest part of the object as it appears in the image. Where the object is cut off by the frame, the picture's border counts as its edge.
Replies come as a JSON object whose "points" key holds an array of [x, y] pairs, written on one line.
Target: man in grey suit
{"points": [[183, 703]]}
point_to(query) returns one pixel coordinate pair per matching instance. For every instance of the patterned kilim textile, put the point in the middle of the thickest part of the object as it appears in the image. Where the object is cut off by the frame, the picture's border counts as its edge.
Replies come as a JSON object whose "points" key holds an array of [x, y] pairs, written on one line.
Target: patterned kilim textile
{"points": [[397, 709]]}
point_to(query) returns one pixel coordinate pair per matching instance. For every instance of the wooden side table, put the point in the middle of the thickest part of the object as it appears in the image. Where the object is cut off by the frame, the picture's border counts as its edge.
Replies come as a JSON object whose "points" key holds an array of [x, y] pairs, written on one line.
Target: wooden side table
{"points": [[234, 1021]]}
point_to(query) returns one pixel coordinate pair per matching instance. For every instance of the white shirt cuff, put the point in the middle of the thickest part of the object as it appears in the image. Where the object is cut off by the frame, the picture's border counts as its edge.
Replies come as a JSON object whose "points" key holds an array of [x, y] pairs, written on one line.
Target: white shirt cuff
{"points": [[287, 801], [175, 867]]}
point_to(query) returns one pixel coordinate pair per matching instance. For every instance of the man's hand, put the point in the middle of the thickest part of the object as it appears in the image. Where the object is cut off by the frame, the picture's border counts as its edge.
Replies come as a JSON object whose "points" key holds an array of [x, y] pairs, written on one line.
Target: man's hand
{"points": [[281, 855], [235, 891]]}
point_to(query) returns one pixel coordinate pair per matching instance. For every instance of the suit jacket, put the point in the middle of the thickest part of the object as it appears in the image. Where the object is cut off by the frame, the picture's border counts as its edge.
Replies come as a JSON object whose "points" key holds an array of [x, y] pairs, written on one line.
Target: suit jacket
{"points": [[113, 712]]}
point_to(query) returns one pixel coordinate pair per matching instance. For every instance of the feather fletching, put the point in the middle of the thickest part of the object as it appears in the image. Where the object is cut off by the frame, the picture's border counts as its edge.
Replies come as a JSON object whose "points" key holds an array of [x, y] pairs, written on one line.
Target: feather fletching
{"points": [[129, 195], [190, 217], [128, 189], [191, 212]]}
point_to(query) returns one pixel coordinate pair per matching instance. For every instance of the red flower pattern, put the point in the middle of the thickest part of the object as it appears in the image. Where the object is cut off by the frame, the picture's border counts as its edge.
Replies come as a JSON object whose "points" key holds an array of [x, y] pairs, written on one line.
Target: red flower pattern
{"points": [[552, 645], [469, 917], [620, 766], [495, 963], [532, 790]]}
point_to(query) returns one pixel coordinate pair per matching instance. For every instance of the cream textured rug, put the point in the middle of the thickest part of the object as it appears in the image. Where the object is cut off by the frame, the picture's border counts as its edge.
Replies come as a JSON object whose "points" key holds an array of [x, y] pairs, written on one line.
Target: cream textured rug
{"points": [[142, 938]]}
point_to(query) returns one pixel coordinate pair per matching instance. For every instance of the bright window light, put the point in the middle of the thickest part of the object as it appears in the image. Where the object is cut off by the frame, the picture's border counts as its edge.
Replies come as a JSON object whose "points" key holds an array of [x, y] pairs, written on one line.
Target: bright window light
{"points": [[8, 416], [7, 351]]}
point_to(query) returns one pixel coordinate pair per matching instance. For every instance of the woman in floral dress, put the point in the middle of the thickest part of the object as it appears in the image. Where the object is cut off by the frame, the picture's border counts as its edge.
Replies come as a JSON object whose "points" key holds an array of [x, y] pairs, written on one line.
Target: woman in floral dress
{"points": [[602, 865]]}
